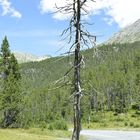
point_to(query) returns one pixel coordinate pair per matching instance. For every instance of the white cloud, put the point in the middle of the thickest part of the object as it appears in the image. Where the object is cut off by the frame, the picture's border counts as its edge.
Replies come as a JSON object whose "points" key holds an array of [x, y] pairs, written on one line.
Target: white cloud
{"points": [[123, 12], [109, 21], [8, 9], [50, 6]]}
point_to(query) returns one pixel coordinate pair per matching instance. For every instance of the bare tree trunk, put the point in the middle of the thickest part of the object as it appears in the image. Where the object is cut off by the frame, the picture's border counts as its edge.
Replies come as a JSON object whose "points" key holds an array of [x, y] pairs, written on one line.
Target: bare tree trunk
{"points": [[77, 82], [82, 37]]}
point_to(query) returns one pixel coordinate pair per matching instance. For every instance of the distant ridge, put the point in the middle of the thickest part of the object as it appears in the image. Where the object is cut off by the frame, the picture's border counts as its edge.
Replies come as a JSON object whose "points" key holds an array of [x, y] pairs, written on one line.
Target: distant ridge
{"points": [[129, 34], [27, 57]]}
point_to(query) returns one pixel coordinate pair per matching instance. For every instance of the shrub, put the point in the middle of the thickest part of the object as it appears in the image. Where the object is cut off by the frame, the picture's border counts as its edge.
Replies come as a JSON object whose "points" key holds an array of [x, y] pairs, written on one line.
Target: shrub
{"points": [[131, 123], [135, 106], [136, 126], [137, 112], [89, 126], [51, 127], [115, 114], [125, 124], [103, 124], [134, 115], [119, 119], [43, 125], [59, 125], [96, 118]]}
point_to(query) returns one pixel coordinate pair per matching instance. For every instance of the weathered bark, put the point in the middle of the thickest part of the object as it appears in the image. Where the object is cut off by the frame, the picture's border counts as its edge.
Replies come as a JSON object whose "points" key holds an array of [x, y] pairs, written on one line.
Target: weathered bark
{"points": [[77, 82], [82, 37]]}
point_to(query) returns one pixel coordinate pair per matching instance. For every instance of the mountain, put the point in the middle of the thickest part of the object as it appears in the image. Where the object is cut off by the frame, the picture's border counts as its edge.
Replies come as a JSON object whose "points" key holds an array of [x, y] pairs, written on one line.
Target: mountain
{"points": [[43, 58], [27, 57], [129, 34]]}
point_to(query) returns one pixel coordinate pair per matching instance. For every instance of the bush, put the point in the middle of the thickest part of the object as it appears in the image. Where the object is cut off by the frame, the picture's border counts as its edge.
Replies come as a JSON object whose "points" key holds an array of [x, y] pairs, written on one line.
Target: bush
{"points": [[51, 127], [131, 123], [136, 126], [89, 126], [125, 124], [119, 119], [103, 124], [115, 114], [96, 118], [134, 115], [43, 125], [137, 112], [135, 106], [58, 125]]}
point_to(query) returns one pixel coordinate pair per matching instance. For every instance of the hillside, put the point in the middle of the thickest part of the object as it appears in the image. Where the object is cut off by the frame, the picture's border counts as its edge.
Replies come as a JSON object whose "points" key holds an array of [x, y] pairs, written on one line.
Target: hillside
{"points": [[127, 35], [110, 79], [110, 83], [42, 73]]}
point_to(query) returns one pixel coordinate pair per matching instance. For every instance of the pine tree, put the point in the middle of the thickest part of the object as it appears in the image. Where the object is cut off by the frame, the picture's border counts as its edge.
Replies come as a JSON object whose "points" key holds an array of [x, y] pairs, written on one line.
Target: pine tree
{"points": [[10, 96], [5, 55]]}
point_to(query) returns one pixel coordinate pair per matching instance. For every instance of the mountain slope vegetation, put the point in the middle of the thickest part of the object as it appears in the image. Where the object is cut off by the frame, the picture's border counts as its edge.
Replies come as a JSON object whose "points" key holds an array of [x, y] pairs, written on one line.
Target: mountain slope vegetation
{"points": [[110, 80]]}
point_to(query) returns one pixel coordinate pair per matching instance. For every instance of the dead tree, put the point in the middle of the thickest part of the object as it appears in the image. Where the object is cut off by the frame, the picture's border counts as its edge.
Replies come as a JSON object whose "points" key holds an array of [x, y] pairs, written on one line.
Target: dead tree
{"points": [[81, 37]]}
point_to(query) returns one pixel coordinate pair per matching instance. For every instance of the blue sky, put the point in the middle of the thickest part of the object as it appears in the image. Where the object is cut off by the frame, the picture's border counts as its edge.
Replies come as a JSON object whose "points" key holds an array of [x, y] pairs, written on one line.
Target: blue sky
{"points": [[31, 28]]}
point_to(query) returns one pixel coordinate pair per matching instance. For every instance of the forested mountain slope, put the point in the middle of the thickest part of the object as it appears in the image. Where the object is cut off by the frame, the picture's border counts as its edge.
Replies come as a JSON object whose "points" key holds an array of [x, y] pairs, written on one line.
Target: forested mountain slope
{"points": [[41, 74], [110, 79]]}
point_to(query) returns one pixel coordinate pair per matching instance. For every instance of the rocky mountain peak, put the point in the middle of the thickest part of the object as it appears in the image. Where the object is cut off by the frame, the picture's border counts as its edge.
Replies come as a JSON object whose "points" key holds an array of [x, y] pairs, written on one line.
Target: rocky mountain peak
{"points": [[129, 34]]}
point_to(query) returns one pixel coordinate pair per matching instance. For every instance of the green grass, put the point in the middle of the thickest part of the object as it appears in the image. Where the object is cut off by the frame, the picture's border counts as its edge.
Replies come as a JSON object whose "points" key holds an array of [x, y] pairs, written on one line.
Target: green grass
{"points": [[108, 120], [33, 134], [129, 121]]}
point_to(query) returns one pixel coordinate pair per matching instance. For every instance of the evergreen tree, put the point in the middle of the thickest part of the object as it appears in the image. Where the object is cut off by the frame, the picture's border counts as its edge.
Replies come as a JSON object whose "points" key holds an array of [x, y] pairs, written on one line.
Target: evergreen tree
{"points": [[10, 96], [5, 55]]}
